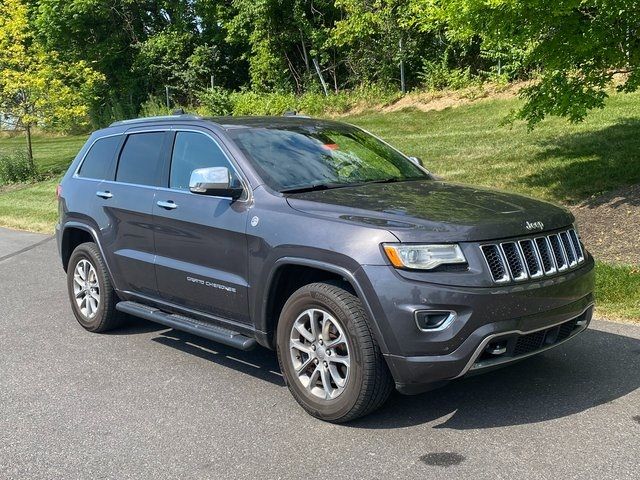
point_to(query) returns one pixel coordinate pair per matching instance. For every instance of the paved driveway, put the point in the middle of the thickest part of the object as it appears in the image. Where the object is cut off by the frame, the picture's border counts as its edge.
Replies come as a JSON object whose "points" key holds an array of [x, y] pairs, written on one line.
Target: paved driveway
{"points": [[150, 402]]}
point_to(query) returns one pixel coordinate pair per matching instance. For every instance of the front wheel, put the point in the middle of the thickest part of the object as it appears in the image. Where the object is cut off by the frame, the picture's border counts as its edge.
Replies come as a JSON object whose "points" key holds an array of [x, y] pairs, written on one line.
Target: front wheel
{"points": [[328, 354]]}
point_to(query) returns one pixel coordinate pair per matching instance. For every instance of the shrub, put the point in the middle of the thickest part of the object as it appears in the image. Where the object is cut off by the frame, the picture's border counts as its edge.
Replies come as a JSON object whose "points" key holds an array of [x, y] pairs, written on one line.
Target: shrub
{"points": [[438, 76], [215, 101], [254, 103], [16, 168]]}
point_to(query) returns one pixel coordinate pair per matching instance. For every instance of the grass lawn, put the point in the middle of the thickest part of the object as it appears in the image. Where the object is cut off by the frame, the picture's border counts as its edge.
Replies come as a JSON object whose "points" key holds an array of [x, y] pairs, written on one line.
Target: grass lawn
{"points": [[618, 291], [52, 154], [556, 161], [33, 207]]}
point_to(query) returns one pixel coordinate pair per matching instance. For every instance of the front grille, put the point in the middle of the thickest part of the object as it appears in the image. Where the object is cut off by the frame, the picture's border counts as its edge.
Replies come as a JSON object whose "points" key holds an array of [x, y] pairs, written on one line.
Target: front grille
{"points": [[514, 345], [529, 343], [543, 338], [532, 258]]}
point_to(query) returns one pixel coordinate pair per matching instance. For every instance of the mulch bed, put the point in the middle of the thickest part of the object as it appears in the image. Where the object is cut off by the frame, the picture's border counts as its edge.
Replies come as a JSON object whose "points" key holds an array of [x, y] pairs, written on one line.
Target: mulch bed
{"points": [[610, 225]]}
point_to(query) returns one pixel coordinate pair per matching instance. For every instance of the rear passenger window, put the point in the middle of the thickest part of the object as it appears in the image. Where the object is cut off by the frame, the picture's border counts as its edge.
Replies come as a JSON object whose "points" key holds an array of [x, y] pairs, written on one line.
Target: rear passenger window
{"points": [[194, 150], [98, 161], [140, 159]]}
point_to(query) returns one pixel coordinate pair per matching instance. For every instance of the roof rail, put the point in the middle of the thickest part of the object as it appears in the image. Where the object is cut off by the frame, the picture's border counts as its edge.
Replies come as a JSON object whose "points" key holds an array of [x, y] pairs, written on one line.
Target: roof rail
{"points": [[159, 118], [293, 113]]}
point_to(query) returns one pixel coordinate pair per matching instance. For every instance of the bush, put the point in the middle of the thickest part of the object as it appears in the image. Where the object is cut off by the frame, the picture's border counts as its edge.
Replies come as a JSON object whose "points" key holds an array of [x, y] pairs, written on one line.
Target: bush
{"points": [[254, 103], [154, 107], [215, 101], [16, 168], [438, 76]]}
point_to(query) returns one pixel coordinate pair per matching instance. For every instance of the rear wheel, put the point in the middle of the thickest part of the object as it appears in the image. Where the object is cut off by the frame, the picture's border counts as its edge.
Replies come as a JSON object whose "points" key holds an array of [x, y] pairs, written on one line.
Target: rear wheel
{"points": [[92, 296], [328, 355]]}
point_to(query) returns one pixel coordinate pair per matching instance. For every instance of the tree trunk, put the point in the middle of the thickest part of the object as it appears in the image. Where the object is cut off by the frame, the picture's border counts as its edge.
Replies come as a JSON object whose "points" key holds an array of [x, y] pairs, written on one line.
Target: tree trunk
{"points": [[29, 145]]}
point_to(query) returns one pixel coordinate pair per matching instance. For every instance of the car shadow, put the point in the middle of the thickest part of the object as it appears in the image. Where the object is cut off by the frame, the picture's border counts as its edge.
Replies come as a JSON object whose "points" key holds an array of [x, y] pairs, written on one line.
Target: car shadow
{"points": [[260, 363], [592, 369]]}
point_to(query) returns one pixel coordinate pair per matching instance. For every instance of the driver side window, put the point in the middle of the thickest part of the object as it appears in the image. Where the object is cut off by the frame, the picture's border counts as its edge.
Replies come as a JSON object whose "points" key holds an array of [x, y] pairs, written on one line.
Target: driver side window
{"points": [[193, 150]]}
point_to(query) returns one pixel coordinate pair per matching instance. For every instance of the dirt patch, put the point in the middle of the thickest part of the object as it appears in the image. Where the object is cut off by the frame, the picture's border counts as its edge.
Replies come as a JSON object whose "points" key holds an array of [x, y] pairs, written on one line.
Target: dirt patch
{"points": [[440, 100], [610, 225]]}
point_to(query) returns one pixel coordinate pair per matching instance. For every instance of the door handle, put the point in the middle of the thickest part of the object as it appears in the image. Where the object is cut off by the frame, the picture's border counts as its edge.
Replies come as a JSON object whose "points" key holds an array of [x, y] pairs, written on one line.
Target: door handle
{"points": [[106, 194], [167, 205]]}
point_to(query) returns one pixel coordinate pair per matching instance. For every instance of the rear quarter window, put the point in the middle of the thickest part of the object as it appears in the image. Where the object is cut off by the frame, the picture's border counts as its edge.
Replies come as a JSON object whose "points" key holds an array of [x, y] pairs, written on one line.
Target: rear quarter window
{"points": [[98, 163]]}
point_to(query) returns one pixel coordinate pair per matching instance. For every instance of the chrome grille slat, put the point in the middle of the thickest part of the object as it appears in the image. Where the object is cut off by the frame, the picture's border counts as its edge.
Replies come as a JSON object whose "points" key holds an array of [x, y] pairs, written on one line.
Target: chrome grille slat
{"points": [[568, 249], [576, 244], [544, 249], [533, 258], [495, 262], [515, 262], [558, 252]]}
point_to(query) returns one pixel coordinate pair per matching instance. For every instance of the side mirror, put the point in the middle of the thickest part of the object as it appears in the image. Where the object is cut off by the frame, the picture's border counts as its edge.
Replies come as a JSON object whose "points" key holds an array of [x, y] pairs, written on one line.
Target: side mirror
{"points": [[215, 181], [417, 161]]}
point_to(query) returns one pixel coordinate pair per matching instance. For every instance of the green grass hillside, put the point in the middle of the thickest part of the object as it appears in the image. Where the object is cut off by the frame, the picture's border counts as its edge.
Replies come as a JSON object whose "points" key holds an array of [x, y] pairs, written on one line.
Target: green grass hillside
{"points": [[556, 161]]}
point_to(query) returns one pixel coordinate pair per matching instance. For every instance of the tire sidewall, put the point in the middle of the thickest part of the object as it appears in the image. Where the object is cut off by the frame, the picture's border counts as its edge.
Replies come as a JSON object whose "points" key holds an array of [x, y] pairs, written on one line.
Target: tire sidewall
{"points": [[326, 409], [83, 253]]}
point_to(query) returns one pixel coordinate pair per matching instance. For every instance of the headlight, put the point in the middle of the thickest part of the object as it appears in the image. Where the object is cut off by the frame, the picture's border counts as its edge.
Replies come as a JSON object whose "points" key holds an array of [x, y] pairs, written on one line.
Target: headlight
{"points": [[423, 257]]}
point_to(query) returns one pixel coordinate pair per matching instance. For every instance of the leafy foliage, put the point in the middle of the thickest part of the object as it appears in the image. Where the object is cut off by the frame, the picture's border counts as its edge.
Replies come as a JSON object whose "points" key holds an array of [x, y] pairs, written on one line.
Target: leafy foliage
{"points": [[577, 46], [15, 168], [36, 86], [571, 48]]}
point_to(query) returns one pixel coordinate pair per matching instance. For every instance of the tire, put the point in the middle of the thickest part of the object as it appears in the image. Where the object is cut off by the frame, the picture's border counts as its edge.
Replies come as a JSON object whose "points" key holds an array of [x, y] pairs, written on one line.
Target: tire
{"points": [[331, 391], [98, 312]]}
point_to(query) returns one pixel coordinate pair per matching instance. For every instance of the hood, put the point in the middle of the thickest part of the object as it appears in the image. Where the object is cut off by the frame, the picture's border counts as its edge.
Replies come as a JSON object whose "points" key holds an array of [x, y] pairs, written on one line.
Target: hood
{"points": [[429, 210]]}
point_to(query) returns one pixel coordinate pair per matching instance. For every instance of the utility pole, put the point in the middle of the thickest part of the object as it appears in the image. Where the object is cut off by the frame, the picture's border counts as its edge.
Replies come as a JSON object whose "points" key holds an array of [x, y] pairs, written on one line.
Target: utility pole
{"points": [[166, 91], [403, 86], [212, 82]]}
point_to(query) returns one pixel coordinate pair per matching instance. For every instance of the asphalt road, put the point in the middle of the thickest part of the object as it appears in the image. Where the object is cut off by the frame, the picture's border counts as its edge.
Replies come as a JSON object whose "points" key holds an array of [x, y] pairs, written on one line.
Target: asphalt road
{"points": [[150, 402]]}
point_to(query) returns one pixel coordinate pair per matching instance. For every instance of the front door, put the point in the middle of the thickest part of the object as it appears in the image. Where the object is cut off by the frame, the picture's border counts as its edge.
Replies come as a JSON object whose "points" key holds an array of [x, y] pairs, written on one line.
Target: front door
{"points": [[200, 241]]}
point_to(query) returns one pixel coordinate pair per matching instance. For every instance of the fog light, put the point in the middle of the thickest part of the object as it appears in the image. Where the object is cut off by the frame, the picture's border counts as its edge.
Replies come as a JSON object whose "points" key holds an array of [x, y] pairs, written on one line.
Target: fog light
{"points": [[430, 320]]}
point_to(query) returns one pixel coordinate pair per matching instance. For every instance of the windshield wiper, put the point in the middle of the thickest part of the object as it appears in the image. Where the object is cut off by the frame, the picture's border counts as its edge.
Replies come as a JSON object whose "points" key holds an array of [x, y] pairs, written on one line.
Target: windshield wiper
{"points": [[315, 188], [387, 180], [397, 179]]}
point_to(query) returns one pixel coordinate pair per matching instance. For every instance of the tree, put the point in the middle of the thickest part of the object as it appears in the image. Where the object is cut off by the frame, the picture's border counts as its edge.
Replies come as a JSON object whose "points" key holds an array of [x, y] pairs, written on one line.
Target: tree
{"points": [[577, 46], [283, 38], [36, 87]]}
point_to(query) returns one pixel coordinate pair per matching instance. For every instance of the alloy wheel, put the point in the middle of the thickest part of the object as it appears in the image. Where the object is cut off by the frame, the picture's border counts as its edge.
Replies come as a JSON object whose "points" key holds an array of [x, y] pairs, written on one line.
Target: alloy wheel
{"points": [[320, 353], [86, 288]]}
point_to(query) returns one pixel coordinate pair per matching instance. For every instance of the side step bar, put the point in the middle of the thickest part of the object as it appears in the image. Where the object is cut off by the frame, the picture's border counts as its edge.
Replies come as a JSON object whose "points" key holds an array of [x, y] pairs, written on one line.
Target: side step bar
{"points": [[189, 325]]}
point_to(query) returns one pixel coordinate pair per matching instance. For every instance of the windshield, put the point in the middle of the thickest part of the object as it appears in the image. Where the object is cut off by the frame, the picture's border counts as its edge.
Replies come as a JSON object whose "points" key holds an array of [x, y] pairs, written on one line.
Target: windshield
{"points": [[305, 157]]}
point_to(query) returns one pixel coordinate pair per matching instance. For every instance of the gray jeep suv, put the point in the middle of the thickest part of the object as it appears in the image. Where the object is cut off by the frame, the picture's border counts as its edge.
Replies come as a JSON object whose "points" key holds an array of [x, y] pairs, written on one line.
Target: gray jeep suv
{"points": [[321, 241]]}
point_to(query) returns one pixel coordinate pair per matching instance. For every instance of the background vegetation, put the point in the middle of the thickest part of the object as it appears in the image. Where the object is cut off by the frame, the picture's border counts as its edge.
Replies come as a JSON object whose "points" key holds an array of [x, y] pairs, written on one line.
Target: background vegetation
{"points": [[67, 63], [69, 66]]}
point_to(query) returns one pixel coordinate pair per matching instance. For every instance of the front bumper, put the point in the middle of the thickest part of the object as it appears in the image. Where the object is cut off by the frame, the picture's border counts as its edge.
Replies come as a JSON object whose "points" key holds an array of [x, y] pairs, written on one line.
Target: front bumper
{"points": [[421, 360]]}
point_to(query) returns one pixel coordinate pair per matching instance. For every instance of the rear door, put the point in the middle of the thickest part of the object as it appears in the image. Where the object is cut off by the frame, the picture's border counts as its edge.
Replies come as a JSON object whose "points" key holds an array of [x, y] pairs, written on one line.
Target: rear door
{"points": [[127, 228], [201, 246]]}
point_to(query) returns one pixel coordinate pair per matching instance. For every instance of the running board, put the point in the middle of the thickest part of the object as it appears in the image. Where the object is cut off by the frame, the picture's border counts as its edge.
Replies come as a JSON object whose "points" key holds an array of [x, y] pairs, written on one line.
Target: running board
{"points": [[189, 325]]}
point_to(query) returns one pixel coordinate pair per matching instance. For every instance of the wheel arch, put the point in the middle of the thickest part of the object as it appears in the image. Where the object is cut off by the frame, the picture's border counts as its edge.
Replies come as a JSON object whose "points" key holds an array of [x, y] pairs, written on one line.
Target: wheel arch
{"points": [[73, 234], [290, 273]]}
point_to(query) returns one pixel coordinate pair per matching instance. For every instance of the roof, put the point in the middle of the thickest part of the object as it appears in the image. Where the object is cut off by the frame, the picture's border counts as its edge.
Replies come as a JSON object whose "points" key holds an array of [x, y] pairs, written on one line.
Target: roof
{"points": [[231, 122]]}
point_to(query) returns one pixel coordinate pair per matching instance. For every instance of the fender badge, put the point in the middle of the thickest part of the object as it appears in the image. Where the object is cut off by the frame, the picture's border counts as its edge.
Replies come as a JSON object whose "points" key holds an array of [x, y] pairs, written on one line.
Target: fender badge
{"points": [[255, 221]]}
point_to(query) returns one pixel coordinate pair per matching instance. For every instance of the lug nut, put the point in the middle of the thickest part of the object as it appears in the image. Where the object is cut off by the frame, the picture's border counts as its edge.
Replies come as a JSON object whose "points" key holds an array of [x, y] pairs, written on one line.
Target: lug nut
{"points": [[325, 364], [328, 352], [320, 341], [315, 360], [313, 347]]}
